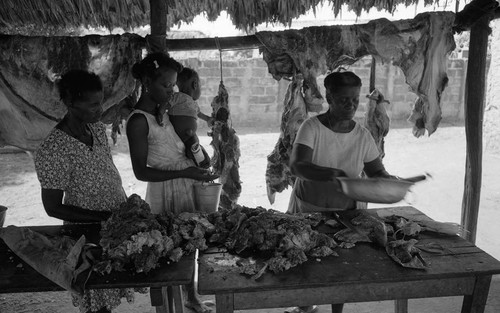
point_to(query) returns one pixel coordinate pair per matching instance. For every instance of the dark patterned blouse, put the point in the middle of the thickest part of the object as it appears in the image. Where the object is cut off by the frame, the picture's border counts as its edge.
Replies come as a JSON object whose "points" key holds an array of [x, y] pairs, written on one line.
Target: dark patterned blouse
{"points": [[86, 174]]}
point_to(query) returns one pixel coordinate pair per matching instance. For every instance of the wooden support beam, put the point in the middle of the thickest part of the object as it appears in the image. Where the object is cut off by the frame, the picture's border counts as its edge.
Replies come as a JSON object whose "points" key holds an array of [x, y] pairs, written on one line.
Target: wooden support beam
{"points": [[474, 11], [474, 113], [225, 43], [158, 15]]}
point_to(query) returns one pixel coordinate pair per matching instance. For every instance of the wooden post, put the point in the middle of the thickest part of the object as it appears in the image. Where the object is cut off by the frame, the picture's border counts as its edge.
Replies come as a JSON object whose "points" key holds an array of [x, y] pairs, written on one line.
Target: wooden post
{"points": [[474, 113], [156, 42]]}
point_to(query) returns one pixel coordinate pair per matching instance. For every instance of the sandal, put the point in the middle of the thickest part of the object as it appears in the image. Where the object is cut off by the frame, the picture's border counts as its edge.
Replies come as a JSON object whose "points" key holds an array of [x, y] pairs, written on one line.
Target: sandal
{"points": [[201, 307], [303, 309]]}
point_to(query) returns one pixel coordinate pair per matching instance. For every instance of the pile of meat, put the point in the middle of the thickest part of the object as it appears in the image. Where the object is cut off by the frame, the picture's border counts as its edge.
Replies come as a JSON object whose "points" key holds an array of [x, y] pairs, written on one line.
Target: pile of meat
{"points": [[288, 239], [226, 150], [418, 46], [134, 238]]}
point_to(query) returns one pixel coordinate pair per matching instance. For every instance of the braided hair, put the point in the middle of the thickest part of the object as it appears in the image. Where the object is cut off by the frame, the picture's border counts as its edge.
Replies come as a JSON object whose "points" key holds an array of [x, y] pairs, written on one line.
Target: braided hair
{"points": [[150, 65]]}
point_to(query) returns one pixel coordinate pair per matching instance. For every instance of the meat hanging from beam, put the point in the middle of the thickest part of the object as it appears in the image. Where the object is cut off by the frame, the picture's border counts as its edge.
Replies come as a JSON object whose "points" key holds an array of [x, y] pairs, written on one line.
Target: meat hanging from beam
{"points": [[278, 175], [29, 67], [376, 119], [226, 145], [418, 46]]}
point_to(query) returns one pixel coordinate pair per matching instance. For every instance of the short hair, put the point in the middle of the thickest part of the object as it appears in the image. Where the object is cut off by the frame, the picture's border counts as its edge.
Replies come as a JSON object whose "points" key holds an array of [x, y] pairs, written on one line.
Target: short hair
{"points": [[186, 74], [337, 80], [74, 83], [150, 65]]}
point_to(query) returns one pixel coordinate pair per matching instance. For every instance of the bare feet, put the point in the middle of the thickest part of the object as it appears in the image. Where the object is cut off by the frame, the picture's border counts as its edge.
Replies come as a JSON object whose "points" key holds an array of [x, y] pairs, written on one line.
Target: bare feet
{"points": [[200, 307]]}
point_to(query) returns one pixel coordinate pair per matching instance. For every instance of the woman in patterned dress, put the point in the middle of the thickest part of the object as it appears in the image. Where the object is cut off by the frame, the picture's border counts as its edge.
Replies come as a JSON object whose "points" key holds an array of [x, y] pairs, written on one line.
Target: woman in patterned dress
{"points": [[80, 183], [157, 153]]}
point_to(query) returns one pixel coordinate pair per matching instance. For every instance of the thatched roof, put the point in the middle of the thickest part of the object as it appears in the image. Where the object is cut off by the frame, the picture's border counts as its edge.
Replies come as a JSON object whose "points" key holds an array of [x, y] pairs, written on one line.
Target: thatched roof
{"points": [[48, 17]]}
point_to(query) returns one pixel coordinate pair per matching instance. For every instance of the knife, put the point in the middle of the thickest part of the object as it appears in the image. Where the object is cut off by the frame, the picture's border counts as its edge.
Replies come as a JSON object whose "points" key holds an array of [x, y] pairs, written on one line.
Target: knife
{"points": [[348, 224]]}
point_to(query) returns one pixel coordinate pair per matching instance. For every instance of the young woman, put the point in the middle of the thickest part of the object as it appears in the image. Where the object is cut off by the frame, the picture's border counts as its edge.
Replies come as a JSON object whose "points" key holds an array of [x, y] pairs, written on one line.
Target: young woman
{"points": [[157, 153], [80, 183], [332, 145]]}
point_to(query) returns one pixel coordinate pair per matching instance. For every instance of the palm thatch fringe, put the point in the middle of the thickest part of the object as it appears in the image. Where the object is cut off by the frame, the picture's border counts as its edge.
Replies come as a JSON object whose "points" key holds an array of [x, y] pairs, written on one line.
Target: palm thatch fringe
{"points": [[16, 15]]}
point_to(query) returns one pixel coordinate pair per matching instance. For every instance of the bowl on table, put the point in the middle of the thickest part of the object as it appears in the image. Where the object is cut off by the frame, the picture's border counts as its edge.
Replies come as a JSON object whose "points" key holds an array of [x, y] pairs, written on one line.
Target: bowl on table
{"points": [[377, 190]]}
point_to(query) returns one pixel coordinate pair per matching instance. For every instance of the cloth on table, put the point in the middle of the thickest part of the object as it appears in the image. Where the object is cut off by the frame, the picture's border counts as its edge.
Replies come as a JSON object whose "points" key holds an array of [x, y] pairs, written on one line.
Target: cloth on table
{"points": [[54, 257]]}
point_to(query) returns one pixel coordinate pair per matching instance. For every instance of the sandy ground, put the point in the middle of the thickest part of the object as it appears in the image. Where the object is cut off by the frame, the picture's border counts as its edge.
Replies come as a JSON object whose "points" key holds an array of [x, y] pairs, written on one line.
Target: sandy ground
{"points": [[442, 155]]}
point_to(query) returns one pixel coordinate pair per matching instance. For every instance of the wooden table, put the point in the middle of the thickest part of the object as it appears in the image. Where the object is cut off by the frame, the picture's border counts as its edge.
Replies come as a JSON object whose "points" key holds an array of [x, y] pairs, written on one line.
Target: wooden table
{"points": [[17, 276], [363, 273]]}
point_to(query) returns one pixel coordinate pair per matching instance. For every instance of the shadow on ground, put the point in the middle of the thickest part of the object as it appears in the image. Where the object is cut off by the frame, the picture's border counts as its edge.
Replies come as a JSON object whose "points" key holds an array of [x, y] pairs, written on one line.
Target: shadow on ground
{"points": [[13, 166]]}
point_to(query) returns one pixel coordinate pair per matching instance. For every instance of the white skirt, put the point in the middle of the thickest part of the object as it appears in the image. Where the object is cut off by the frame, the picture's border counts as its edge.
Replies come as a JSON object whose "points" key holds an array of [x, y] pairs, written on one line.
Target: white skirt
{"points": [[174, 195]]}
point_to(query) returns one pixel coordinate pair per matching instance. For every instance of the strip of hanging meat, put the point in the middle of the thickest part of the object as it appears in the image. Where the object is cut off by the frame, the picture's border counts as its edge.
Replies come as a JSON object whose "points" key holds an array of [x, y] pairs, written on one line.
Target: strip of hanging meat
{"points": [[226, 150], [418, 46], [278, 176], [377, 120]]}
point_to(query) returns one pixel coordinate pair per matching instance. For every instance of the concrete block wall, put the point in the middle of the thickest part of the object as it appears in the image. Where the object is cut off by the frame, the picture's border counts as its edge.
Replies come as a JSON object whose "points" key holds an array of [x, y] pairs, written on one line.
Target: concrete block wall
{"points": [[256, 98]]}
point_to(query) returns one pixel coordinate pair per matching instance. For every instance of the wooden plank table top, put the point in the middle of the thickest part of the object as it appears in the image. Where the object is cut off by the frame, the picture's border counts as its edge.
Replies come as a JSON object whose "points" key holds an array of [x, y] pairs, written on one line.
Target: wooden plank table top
{"points": [[17, 276], [363, 273]]}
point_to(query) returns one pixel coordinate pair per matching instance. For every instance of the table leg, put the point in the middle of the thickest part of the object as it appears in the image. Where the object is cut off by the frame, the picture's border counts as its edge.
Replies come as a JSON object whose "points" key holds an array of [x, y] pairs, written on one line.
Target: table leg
{"points": [[476, 302], [224, 303], [401, 306], [178, 301], [337, 308], [170, 301], [159, 299]]}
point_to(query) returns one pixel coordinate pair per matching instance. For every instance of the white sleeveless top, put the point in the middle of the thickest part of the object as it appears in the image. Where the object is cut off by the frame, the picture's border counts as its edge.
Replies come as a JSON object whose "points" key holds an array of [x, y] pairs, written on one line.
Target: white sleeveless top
{"points": [[166, 152]]}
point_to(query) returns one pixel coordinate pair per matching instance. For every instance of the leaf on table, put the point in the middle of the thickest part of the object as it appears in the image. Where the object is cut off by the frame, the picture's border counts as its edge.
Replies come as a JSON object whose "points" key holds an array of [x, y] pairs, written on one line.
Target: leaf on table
{"points": [[406, 254]]}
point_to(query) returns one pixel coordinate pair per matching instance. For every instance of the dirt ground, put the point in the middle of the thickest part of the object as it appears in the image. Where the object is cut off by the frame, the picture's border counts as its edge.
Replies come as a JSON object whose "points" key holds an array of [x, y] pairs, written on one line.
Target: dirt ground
{"points": [[442, 155]]}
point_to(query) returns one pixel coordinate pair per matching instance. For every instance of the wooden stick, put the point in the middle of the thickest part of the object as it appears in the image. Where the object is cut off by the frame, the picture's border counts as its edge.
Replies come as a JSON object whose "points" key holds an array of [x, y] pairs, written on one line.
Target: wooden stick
{"points": [[156, 41], [474, 113], [226, 43]]}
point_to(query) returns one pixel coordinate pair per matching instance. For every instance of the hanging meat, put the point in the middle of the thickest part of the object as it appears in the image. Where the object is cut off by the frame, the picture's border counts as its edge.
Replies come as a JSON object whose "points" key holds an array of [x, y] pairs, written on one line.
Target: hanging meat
{"points": [[278, 176], [377, 120], [29, 67], [226, 150], [418, 46]]}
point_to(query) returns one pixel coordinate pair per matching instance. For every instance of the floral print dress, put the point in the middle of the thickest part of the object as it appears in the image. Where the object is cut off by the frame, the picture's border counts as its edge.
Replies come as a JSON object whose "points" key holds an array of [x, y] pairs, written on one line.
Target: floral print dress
{"points": [[90, 180]]}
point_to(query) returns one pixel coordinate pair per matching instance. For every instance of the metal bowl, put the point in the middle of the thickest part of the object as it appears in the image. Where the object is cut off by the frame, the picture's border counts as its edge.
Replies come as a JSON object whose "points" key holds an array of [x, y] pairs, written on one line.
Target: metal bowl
{"points": [[375, 190]]}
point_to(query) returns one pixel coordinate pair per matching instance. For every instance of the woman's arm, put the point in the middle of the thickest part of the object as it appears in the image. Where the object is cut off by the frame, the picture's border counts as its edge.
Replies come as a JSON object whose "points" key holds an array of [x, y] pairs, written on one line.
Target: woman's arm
{"points": [[52, 202], [376, 168], [301, 166], [137, 134]]}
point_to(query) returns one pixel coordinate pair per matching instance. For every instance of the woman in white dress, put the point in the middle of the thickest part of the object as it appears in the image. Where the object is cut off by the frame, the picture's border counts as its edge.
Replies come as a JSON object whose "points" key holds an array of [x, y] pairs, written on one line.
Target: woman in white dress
{"points": [[328, 146], [157, 153]]}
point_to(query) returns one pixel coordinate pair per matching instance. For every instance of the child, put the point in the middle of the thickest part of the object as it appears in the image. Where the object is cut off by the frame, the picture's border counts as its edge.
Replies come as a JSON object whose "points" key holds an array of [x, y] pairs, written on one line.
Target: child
{"points": [[184, 113]]}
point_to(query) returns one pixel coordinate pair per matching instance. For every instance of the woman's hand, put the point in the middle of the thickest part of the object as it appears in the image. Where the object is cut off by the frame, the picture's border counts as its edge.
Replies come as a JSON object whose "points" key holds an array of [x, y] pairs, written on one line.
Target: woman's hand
{"points": [[336, 172], [199, 174]]}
